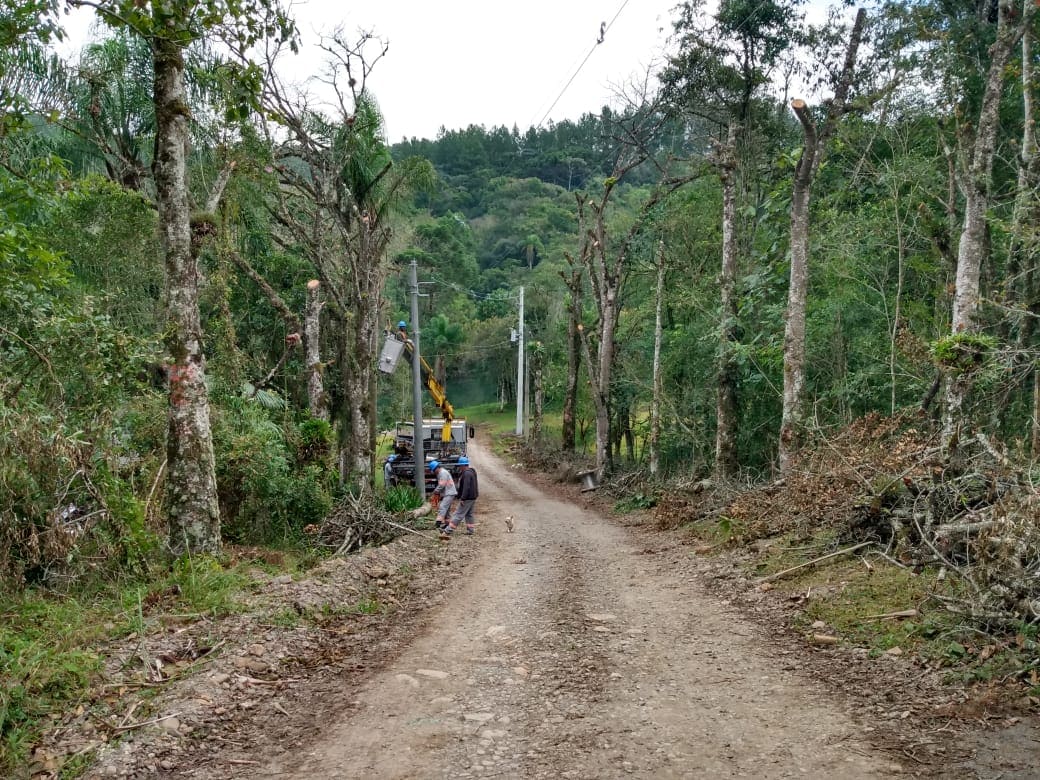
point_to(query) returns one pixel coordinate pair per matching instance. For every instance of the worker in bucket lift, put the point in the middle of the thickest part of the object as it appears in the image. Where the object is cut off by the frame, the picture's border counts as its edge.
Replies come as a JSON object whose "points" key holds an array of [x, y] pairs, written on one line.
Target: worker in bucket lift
{"points": [[443, 494], [402, 332]]}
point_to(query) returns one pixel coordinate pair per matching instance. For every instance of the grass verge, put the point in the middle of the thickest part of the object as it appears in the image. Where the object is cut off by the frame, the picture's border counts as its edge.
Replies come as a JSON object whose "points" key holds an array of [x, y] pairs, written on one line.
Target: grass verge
{"points": [[50, 661], [863, 600]]}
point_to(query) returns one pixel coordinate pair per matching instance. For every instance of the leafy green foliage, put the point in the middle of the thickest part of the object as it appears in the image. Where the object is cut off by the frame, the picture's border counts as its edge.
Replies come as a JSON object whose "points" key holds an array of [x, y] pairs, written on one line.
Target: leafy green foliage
{"points": [[205, 585], [264, 495], [635, 502], [963, 352], [401, 498], [314, 442]]}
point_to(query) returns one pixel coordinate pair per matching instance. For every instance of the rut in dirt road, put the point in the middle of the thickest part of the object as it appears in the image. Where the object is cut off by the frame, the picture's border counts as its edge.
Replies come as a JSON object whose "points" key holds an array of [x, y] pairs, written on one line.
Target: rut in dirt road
{"points": [[567, 652]]}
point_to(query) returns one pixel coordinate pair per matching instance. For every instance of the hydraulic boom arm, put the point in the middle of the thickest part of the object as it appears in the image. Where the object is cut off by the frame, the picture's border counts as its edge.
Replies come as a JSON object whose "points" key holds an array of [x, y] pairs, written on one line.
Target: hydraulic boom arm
{"points": [[436, 392]]}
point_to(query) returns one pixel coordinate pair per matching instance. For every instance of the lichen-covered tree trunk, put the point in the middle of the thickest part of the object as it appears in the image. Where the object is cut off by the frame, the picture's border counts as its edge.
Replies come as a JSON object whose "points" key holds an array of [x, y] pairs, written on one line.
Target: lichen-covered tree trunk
{"points": [[1020, 294], [191, 484], [977, 185], [570, 397], [360, 357], [601, 389], [539, 404], [1036, 414], [727, 373], [316, 398]]}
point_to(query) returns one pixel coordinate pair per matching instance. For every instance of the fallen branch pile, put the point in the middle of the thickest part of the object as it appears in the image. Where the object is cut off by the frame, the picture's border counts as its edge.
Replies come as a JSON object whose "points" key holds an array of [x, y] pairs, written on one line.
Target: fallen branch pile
{"points": [[883, 480], [822, 489], [359, 521], [980, 521]]}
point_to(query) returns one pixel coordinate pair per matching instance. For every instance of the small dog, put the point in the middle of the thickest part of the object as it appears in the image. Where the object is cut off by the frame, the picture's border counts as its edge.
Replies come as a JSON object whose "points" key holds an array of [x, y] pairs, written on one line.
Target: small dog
{"points": [[509, 523]]}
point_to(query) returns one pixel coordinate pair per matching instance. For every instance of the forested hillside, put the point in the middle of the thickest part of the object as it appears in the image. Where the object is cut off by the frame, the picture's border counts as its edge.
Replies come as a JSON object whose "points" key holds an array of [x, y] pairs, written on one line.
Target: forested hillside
{"points": [[790, 226]]}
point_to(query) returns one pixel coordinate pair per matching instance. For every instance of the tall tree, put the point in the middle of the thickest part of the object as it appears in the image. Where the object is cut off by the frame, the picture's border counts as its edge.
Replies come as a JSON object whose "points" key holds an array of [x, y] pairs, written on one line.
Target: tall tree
{"points": [[725, 61], [976, 183], [169, 27], [727, 369], [606, 260], [572, 278], [655, 401], [814, 146]]}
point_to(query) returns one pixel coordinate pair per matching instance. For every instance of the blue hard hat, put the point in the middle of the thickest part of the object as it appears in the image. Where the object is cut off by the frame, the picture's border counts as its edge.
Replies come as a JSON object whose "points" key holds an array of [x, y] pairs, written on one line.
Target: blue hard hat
{"points": [[433, 464], [402, 324], [463, 461], [391, 458]]}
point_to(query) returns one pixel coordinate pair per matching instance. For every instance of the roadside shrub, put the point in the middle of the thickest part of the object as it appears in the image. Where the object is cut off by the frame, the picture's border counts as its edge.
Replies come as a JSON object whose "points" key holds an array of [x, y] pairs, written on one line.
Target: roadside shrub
{"points": [[313, 441], [265, 497], [401, 499]]}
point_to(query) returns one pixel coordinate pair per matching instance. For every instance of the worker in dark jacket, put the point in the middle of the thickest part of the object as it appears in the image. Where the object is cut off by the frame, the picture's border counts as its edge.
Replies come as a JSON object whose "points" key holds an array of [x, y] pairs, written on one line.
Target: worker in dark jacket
{"points": [[467, 495]]}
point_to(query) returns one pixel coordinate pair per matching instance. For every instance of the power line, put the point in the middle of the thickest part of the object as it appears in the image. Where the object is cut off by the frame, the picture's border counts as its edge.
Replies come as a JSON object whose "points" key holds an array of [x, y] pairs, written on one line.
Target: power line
{"points": [[602, 36], [603, 32], [491, 296]]}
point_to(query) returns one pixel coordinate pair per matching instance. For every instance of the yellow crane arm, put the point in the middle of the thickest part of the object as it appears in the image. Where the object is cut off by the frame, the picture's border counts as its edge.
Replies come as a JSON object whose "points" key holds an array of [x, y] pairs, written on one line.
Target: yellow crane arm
{"points": [[436, 390]]}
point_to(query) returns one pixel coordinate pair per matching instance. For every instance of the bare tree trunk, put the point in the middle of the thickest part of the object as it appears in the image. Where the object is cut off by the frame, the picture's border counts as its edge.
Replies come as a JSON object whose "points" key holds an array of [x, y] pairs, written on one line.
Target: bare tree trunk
{"points": [[897, 313], [570, 396], [813, 147], [794, 327], [976, 185], [601, 386], [1020, 299], [607, 276], [539, 401], [317, 400], [359, 365], [655, 402], [629, 435], [1036, 414], [191, 483], [726, 379]]}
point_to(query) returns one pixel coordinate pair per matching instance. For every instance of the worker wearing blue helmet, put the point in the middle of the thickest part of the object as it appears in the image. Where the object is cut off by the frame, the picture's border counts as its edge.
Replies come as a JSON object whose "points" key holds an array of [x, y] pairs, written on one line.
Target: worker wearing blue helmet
{"points": [[444, 494], [467, 494], [388, 471]]}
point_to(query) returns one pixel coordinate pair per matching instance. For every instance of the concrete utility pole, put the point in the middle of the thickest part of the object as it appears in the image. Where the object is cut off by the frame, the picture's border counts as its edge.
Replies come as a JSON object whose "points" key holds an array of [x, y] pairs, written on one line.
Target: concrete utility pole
{"points": [[419, 457], [520, 372]]}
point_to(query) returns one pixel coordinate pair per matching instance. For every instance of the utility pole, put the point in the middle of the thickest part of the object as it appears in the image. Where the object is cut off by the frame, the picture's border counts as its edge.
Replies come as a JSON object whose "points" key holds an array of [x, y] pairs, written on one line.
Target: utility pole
{"points": [[520, 372], [418, 456]]}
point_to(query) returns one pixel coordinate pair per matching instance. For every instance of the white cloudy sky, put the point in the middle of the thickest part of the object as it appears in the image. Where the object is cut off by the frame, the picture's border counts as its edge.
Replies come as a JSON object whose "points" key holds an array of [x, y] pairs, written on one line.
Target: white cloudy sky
{"points": [[459, 62]]}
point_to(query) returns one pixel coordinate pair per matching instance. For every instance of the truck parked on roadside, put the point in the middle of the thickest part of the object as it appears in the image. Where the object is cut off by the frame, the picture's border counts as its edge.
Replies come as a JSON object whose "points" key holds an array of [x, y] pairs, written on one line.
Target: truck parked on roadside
{"points": [[435, 447], [443, 440]]}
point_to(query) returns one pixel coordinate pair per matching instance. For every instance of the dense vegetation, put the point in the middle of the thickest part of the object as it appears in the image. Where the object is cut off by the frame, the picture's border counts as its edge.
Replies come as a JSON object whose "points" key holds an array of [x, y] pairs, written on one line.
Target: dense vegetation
{"points": [[84, 371], [666, 224]]}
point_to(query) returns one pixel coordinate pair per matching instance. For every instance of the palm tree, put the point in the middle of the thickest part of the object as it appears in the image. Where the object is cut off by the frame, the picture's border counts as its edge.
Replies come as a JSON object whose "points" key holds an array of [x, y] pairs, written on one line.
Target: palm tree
{"points": [[442, 339]]}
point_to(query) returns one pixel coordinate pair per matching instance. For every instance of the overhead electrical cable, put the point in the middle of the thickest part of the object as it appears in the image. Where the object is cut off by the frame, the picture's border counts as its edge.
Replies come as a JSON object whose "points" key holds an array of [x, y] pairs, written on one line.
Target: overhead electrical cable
{"points": [[603, 29], [491, 296], [602, 34]]}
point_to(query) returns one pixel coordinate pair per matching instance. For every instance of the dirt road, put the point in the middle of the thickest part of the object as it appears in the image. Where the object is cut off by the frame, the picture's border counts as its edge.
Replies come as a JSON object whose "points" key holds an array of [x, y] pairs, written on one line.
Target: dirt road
{"points": [[568, 652]]}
